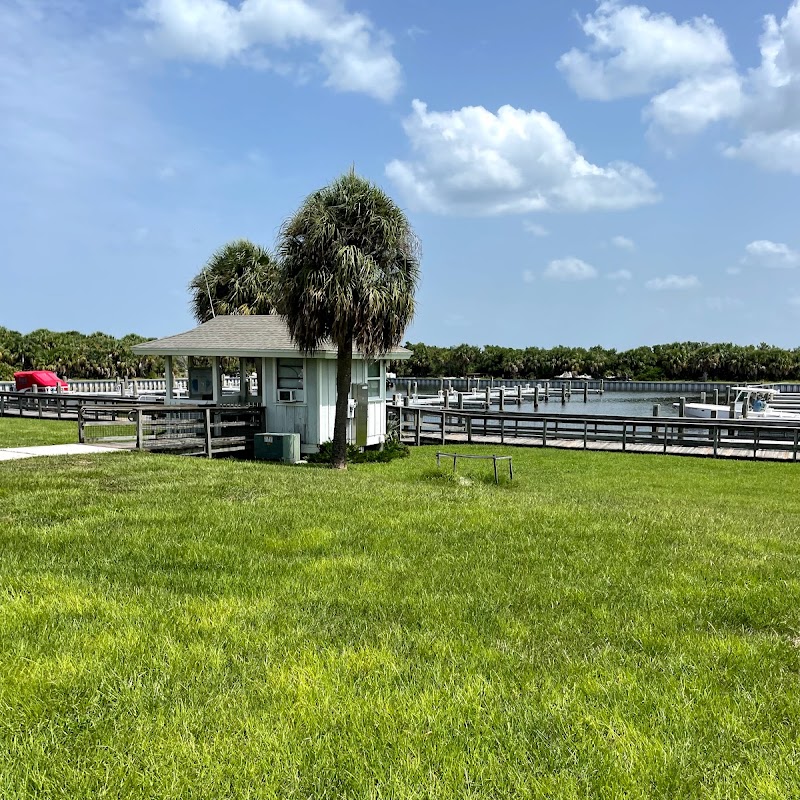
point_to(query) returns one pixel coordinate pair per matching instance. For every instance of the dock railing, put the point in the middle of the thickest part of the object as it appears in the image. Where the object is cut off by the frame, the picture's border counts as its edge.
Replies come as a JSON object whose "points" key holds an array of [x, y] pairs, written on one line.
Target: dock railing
{"points": [[51, 405], [754, 439]]}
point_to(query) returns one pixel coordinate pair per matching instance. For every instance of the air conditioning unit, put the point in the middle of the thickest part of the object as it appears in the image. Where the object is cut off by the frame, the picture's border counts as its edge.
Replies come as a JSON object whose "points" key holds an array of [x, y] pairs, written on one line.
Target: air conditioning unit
{"points": [[287, 396]]}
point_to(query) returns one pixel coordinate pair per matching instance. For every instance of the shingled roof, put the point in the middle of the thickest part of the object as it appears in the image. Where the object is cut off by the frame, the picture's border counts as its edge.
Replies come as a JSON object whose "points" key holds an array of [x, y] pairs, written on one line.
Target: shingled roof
{"points": [[243, 336]]}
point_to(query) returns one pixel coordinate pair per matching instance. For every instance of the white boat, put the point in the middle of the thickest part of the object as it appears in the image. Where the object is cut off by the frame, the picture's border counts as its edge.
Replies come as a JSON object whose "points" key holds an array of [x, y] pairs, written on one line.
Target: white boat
{"points": [[756, 399]]}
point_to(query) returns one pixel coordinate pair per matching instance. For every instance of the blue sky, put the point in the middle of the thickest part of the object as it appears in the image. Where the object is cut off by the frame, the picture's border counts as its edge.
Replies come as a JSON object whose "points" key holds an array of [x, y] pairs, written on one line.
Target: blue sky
{"points": [[578, 172]]}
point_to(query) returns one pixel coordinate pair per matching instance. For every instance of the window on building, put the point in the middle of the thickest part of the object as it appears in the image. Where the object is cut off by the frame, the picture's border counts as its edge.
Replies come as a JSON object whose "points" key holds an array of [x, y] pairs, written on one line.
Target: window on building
{"points": [[374, 378], [290, 378]]}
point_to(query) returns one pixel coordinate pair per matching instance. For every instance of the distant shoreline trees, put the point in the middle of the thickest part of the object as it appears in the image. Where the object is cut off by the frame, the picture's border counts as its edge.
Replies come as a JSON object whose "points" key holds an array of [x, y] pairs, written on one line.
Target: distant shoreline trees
{"points": [[99, 355], [662, 362], [75, 355]]}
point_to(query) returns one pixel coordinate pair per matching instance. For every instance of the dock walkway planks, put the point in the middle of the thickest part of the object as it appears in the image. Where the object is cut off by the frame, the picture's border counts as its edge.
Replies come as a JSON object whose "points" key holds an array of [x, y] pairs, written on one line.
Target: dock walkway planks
{"points": [[761, 454]]}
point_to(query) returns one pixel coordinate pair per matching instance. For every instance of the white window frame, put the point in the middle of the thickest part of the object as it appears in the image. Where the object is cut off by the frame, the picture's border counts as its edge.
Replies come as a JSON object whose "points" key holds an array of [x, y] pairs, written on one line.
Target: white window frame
{"points": [[299, 391]]}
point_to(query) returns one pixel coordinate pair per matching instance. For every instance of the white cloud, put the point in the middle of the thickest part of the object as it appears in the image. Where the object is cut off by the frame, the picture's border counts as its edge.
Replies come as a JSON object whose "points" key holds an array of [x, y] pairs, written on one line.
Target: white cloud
{"points": [[696, 102], [620, 275], [356, 56], [691, 75], [673, 282], [515, 161], [778, 151], [764, 253], [794, 301], [528, 276], [570, 269], [535, 229], [633, 51], [623, 243]]}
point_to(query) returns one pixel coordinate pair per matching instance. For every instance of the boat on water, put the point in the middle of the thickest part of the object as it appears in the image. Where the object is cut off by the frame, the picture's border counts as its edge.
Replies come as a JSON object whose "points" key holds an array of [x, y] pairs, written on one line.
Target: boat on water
{"points": [[752, 402]]}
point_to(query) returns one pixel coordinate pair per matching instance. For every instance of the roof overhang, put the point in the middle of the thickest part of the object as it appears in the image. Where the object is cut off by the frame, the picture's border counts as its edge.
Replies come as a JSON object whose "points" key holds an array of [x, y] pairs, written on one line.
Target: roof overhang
{"points": [[232, 352]]}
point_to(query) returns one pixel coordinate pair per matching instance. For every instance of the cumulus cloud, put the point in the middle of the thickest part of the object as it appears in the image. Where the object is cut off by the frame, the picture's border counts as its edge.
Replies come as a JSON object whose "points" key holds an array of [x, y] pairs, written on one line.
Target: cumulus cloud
{"points": [[515, 161], [776, 255], [778, 151], [696, 102], [570, 269], [356, 56], [633, 51], [693, 81], [623, 243], [620, 275], [668, 282]]}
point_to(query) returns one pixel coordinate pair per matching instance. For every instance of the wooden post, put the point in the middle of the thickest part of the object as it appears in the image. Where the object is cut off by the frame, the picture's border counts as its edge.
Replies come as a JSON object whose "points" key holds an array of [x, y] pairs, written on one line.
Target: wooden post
{"points": [[414, 386], [536, 398], [461, 400], [586, 391], [168, 379], [563, 394], [502, 398], [544, 432], [444, 426], [702, 397], [716, 397], [488, 393], [494, 458], [418, 426], [208, 432], [547, 391], [715, 438], [469, 430], [519, 395], [139, 442], [441, 384], [744, 408], [585, 433], [447, 399], [681, 406]]}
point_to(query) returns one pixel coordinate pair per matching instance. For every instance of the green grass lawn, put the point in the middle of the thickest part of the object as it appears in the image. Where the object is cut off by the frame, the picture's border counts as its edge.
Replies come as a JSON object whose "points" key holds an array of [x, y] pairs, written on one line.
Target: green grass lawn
{"points": [[607, 625], [25, 431]]}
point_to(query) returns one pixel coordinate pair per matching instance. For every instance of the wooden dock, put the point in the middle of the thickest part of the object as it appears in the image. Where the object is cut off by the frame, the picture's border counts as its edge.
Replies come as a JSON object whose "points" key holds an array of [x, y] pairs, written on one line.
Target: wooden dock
{"points": [[758, 440]]}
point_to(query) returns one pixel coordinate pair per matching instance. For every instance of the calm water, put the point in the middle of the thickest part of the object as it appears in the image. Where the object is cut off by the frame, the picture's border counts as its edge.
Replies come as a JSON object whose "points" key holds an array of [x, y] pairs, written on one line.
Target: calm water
{"points": [[622, 404]]}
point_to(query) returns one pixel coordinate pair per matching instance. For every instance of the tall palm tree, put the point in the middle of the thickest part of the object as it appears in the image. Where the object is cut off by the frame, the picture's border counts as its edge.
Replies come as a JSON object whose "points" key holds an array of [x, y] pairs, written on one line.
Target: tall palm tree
{"points": [[235, 280], [348, 266]]}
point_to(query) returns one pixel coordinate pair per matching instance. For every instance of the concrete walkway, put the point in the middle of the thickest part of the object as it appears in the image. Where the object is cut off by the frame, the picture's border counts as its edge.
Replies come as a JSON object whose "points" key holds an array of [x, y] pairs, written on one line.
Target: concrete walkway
{"points": [[11, 453]]}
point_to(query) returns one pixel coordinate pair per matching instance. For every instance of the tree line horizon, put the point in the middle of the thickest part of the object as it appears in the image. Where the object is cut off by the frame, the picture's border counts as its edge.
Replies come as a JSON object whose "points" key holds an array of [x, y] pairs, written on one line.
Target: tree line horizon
{"points": [[102, 356]]}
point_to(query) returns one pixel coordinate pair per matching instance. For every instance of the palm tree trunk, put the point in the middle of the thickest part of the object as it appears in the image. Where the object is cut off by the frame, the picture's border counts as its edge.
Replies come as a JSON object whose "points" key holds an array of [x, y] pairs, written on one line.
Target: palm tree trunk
{"points": [[344, 372]]}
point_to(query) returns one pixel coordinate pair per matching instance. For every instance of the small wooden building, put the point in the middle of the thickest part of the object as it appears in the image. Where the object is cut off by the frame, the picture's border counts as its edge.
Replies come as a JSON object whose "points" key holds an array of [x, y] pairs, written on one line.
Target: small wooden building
{"points": [[297, 389]]}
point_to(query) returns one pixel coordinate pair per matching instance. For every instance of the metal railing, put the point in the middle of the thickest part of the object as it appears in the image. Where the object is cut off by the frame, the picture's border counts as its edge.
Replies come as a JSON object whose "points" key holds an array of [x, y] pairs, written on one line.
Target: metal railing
{"points": [[50, 405], [755, 439]]}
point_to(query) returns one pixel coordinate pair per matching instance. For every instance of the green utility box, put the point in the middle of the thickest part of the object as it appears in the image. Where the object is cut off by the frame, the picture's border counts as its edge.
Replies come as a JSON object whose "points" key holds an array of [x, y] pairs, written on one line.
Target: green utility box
{"points": [[283, 447]]}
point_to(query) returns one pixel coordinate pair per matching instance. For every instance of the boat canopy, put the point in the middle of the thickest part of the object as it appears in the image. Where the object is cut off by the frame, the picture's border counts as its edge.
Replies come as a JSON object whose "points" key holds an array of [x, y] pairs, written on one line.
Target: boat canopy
{"points": [[38, 377]]}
